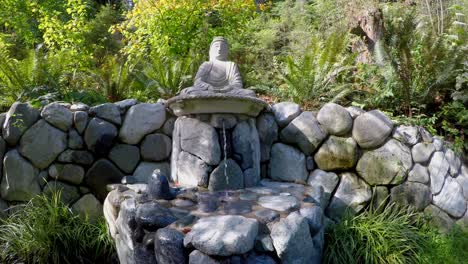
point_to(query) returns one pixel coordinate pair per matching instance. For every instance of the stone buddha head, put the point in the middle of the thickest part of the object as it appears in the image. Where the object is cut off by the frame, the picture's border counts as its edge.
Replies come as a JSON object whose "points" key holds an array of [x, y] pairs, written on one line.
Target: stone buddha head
{"points": [[219, 49]]}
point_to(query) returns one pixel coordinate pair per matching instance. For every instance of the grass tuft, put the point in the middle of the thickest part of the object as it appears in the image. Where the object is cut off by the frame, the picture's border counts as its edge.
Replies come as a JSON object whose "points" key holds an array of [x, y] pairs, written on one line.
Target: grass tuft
{"points": [[46, 231]]}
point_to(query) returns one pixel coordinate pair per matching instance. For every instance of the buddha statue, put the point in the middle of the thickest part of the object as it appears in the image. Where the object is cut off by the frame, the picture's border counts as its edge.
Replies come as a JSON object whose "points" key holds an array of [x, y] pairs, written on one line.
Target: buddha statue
{"points": [[218, 75]]}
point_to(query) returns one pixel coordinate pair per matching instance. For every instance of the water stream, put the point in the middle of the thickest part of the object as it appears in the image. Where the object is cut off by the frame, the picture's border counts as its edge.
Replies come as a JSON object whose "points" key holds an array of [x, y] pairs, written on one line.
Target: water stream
{"points": [[225, 155]]}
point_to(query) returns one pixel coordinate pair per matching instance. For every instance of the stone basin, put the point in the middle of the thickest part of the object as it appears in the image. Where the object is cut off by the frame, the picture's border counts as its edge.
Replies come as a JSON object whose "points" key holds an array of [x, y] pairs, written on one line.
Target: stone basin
{"points": [[216, 103]]}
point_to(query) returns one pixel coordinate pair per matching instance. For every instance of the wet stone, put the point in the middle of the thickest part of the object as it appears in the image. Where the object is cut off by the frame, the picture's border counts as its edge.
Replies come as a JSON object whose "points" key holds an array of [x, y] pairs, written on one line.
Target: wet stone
{"points": [[248, 196], [279, 203], [183, 203], [152, 216], [238, 207], [266, 216], [207, 202]]}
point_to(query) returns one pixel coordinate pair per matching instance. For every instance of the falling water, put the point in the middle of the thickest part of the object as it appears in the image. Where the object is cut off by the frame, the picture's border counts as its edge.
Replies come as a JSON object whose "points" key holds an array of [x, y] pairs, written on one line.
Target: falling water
{"points": [[225, 155]]}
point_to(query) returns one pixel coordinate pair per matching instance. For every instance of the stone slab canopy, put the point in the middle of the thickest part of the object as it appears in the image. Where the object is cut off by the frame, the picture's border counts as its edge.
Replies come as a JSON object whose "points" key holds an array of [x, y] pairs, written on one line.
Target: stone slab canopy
{"points": [[217, 88]]}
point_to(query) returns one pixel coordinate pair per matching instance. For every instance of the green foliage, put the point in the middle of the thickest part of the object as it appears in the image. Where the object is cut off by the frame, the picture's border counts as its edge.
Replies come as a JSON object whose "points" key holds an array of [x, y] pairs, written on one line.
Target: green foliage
{"points": [[164, 77], [391, 236], [451, 248], [176, 27], [46, 231], [321, 73]]}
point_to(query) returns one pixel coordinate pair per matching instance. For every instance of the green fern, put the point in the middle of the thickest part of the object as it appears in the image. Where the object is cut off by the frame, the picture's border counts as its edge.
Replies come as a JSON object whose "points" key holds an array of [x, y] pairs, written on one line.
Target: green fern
{"points": [[320, 73]]}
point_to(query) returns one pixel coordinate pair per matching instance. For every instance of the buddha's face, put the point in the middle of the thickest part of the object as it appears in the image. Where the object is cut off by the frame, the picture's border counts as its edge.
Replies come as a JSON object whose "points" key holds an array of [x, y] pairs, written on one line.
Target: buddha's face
{"points": [[219, 51]]}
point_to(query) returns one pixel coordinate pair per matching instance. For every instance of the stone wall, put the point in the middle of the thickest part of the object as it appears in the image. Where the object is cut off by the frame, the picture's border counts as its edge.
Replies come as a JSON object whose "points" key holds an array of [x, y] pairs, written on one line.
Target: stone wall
{"points": [[361, 158], [80, 150], [355, 156]]}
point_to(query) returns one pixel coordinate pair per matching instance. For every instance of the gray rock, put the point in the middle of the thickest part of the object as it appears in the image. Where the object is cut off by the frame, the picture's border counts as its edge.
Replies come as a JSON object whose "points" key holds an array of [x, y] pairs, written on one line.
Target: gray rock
{"points": [[310, 164], [3, 149], [197, 257], [68, 193], [380, 198], [287, 163], [408, 135], [251, 178], [246, 145], [102, 172], [58, 116], [80, 119], [388, 164], [100, 135], [285, 112], [268, 133], [158, 187], [337, 153], [200, 139], [81, 157], [217, 121], [439, 218], [352, 194], [462, 179], [227, 176], [371, 129], [414, 194], [264, 243], [451, 198], [140, 120], [19, 182], [124, 105], [126, 157], [259, 259], [2, 121], [335, 119], [279, 203], [144, 170], [438, 144], [79, 107], [419, 174], [169, 246], [223, 235], [328, 180], [18, 119], [168, 126], [88, 206], [3, 208], [42, 143], [314, 217], [304, 131], [355, 111], [192, 171], [454, 162], [438, 170], [69, 172], [425, 135], [265, 216], [292, 240], [151, 216], [422, 152], [108, 111], [74, 140], [126, 226], [156, 147], [316, 195]]}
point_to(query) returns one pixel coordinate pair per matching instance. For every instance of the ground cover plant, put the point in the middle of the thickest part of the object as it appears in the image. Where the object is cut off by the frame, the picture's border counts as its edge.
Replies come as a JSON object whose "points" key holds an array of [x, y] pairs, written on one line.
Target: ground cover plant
{"points": [[393, 235], [46, 231]]}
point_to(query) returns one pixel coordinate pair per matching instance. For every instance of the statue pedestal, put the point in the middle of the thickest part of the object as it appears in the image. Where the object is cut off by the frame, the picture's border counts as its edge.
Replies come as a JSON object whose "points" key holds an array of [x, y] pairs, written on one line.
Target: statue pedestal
{"points": [[183, 105]]}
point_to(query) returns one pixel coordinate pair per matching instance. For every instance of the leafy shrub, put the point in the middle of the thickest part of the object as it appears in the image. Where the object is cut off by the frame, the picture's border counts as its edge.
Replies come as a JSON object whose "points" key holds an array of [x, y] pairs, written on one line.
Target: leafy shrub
{"points": [[391, 236], [176, 27], [46, 231], [321, 73], [164, 77]]}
